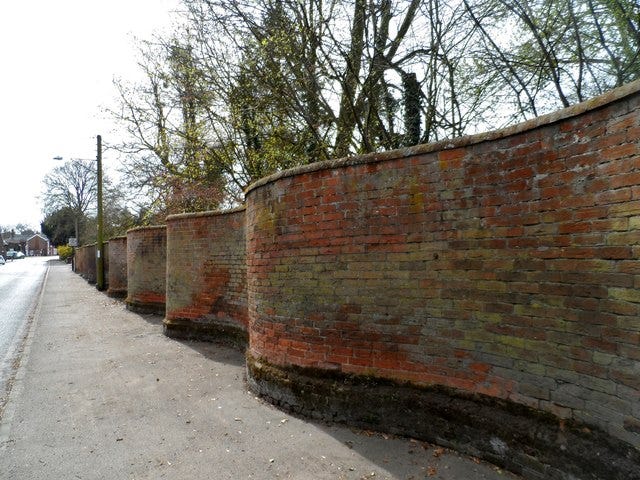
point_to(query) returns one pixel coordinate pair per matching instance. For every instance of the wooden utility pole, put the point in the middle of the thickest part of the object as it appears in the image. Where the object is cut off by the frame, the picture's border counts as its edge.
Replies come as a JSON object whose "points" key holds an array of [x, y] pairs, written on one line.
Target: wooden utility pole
{"points": [[99, 241]]}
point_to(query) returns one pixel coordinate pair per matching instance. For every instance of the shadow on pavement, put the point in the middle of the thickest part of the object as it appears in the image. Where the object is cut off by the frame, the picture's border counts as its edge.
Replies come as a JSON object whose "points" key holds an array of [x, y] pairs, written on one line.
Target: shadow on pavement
{"points": [[389, 456], [216, 352], [151, 318], [402, 458]]}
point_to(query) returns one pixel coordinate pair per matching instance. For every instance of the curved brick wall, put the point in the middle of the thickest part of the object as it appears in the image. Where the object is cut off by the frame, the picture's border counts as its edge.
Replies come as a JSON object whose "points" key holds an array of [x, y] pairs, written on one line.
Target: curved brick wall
{"points": [[85, 262], [496, 277], [80, 260], [117, 273], [105, 252], [206, 277], [146, 269]]}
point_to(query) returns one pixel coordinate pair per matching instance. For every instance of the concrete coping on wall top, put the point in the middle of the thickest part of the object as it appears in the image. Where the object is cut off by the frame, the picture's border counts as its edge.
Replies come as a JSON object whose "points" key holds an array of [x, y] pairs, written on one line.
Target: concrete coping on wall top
{"points": [[210, 213], [468, 140], [119, 237], [149, 227]]}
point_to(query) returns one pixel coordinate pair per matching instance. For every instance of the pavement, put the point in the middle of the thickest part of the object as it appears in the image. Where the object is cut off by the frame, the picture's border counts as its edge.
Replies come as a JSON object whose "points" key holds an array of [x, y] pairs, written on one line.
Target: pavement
{"points": [[101, 393]]}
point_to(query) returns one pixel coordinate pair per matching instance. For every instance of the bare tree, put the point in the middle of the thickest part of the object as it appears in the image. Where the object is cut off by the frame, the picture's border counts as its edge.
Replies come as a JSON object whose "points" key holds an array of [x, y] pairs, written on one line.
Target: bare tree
{"points": [[167, 156], [248, 87], [549, 54], [72, 185]]}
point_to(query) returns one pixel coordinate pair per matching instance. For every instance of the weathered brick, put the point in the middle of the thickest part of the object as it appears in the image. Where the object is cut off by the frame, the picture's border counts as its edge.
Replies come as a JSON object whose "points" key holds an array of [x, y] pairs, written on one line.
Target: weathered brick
{"points": [[146, 268], [206, 276], [505, 268], [626, 294], [85, 262], [117, 274]]}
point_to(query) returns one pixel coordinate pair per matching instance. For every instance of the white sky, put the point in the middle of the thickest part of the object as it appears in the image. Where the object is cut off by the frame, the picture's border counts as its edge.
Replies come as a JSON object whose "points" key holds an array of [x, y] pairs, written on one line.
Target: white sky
{"points": [[58, 62]]}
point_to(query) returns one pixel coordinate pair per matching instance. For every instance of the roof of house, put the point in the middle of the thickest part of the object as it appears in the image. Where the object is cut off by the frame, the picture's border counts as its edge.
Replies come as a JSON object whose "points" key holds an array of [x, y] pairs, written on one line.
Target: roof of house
{"points": [[8, 237], [38, 235]]}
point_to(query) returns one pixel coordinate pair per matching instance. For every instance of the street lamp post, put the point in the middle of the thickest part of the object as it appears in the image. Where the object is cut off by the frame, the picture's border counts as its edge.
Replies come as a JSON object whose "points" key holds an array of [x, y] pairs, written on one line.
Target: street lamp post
{"points": [[100, 281]]}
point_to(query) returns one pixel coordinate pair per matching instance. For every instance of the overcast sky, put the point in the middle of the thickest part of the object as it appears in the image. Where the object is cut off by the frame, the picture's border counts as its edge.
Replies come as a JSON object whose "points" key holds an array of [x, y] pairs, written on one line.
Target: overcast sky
{"points": [[58, 63]]}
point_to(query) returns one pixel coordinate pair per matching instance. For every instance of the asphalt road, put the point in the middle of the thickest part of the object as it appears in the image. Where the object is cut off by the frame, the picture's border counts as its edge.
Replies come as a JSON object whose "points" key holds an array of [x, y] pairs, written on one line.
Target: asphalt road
{"points": [[20, 284]]}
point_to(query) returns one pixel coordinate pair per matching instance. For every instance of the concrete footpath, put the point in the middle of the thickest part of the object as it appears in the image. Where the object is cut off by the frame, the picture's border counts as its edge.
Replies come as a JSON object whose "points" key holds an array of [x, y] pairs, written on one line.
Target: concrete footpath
{"points": [[101, 393]]}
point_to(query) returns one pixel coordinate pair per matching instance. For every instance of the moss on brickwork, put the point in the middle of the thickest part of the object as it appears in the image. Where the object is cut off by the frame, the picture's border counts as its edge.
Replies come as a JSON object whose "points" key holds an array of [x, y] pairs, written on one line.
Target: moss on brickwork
{"points": [[156, 308], [225, 334], [481, 293], [85, 262], [117, 274], [146, 269], [206, 277], [117, 293], [504, 264], [527, 441]]}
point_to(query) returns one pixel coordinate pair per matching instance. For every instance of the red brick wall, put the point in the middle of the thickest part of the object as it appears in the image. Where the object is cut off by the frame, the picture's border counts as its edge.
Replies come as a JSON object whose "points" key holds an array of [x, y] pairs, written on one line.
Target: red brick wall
{"points": [[505, 264], [206, 276], [80, 260], [146, 269], [85, 262], [117, 275], [105, 265]]}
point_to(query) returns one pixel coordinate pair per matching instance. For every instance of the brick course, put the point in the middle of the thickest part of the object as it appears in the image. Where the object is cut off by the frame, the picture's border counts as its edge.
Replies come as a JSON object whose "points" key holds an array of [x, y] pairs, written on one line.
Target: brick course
{"points": [[504, 265], [105, 264], [117, 274], [206, 277], [85, 262], [146, 269]]}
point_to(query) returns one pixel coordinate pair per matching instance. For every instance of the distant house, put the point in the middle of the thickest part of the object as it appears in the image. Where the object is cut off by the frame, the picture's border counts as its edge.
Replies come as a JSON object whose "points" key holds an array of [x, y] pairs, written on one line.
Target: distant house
{"points": [[29, 244], [14, 241], [38, 245]]}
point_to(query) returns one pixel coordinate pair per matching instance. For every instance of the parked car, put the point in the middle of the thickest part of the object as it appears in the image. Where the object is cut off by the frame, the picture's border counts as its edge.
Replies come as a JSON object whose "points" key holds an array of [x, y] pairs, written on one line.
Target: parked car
{"points": [[2, 260], [13, 254]]}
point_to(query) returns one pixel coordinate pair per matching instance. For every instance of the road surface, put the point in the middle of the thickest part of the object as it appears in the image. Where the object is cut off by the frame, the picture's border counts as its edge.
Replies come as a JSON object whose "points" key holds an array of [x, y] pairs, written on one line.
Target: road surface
{"points": [[20, 284]]}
